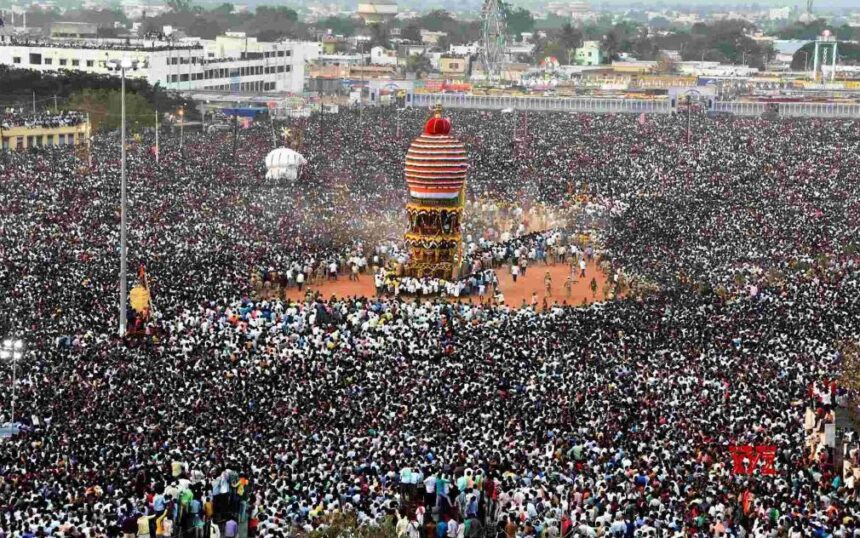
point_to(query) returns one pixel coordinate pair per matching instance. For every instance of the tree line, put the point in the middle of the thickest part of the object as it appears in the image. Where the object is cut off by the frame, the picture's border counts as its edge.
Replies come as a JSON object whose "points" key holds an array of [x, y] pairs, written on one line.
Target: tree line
{"points": [[98, 95], [723, 41]]}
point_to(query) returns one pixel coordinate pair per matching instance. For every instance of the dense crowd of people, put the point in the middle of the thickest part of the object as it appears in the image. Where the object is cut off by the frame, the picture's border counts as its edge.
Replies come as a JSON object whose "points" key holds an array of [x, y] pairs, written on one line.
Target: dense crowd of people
{"points": [[434, 417], [152, 43], [46, 120]]}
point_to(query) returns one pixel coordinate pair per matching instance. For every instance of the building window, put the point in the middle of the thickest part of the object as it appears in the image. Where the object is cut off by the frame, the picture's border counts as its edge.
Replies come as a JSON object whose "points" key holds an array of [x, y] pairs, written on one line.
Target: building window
{"points": [[76, 63], [35, 59], [50, 140], [49, 61], [61, 140], [71, 138], [89, 63], [16, 60], [62, 61], [183, 78], [19, 143], [5, 143]]}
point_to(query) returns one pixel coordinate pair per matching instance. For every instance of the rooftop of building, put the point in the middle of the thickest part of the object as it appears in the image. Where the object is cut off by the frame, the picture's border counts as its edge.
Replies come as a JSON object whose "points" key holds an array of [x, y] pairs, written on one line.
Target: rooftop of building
{"points": [[11, 119], [102, 44]]}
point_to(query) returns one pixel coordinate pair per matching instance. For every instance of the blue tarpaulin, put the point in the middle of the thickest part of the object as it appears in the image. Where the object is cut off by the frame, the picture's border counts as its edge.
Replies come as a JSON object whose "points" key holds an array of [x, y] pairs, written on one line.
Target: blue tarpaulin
{"points": [[243, 112]]}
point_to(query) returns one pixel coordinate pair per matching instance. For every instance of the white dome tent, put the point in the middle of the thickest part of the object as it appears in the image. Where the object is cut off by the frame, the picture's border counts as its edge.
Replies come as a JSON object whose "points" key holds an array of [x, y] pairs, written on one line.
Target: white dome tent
{"points": [[284, 163]]}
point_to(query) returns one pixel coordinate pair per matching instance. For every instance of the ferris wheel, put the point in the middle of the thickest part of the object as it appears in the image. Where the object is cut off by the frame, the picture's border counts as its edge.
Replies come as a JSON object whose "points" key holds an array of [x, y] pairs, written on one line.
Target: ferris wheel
{"points": [[493, 39]]}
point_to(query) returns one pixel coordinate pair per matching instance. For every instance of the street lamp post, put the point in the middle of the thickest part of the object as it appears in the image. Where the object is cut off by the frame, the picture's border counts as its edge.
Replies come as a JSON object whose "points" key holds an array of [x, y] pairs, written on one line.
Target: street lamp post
{"points": [[122, 66], [12, 350], [181, 130], [689, 94]]}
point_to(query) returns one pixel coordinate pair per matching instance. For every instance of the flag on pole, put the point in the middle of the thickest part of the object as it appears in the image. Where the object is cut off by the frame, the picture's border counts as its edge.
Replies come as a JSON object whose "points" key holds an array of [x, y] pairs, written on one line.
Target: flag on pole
{"points": [[642, 118]]}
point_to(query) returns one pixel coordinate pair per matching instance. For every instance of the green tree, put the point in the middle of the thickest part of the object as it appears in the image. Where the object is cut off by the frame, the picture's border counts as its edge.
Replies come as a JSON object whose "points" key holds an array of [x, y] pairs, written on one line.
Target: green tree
{"points": [[804, 56], [379, 35], [570, 37], [436, 21], [803, 30], [276, 13], [518, 20], [344, 26], [545, 48], [103, 18], [274, 22], [205, 28], [458, 31], [224, 10], [411, 32], [105, 109], [418, 64], [178, 5]]}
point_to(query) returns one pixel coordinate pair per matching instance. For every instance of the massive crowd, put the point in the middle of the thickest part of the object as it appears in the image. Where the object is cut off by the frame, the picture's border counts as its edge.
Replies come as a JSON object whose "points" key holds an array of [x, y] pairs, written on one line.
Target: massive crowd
{"points": [[438, 418], [11, 118]]}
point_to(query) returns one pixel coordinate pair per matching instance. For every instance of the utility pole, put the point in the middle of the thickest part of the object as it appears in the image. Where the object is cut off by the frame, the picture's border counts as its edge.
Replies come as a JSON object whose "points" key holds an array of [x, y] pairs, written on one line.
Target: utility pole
{"points": [[272, 123], [689, 116], [689, 94], [34, 102], [123, 277], [89, 142], [182, 132], [56, 108], [157, 149], [235, 131]]}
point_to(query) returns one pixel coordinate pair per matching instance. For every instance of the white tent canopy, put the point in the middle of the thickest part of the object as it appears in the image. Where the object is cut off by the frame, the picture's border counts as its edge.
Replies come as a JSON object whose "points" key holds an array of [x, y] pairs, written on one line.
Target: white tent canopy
{"points": [[284, 163]]}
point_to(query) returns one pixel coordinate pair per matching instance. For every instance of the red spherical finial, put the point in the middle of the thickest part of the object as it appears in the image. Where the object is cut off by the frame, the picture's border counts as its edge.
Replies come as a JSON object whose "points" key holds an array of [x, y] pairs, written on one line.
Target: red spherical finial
{"points": [[437, 125]]}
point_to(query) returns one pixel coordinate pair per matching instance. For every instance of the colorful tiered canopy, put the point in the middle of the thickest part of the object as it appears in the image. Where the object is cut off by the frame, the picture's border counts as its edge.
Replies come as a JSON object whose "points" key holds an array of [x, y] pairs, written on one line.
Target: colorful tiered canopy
{"points": [[436, 162]]}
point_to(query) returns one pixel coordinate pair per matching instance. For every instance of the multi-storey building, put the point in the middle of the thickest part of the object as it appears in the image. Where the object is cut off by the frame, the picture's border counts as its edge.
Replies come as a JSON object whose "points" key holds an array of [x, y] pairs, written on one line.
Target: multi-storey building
{"points": [[233, 62], [21, 132]]}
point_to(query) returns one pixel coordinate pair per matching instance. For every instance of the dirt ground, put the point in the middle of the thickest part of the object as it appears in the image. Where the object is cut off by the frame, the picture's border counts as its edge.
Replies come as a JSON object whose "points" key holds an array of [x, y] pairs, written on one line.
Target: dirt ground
{"points": [[515, 293]]}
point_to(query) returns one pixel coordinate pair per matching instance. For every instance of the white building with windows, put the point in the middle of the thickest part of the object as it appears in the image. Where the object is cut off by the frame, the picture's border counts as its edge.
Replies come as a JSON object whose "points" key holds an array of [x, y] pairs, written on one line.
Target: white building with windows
{"points": [[230, 63]]}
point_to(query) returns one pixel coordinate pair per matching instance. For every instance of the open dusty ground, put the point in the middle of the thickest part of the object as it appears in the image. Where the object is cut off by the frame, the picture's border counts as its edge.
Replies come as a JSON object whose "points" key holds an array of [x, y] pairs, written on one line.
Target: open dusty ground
{"points": [[514, 293]]}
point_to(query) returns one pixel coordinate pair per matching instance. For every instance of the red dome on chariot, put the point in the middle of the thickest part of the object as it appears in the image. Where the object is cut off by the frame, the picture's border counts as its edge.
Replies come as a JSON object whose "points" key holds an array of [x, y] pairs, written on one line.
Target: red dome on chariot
{"points": [[436, 162]]}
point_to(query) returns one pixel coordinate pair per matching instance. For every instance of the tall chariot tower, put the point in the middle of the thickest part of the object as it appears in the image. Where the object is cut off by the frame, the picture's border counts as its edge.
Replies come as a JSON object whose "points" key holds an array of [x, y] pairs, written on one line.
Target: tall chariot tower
{"points": [[436, 165]]}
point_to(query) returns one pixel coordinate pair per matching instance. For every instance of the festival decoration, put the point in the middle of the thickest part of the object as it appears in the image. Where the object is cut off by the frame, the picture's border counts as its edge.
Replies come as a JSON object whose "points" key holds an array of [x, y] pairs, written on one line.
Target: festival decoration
{"points": [[284, 163], [436, 165], [139, 299]]}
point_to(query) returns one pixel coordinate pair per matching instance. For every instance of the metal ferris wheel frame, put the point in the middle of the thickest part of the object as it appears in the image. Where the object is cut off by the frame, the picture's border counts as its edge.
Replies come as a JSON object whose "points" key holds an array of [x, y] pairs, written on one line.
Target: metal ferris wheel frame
{"points": [[493, 38]]}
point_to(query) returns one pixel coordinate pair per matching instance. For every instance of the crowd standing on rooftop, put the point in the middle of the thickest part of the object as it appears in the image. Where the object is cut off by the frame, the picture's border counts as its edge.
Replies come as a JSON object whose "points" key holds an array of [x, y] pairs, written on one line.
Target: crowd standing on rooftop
{"points": [[11, 118], [434, 417]]}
